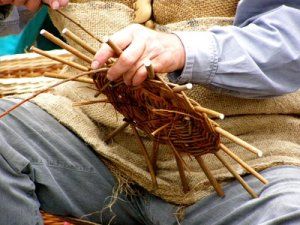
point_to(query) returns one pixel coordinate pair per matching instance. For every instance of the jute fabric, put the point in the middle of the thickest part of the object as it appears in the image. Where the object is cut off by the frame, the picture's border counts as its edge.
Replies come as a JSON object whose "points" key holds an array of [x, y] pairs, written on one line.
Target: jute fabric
{"points": [[170, 11], [272, 125]]}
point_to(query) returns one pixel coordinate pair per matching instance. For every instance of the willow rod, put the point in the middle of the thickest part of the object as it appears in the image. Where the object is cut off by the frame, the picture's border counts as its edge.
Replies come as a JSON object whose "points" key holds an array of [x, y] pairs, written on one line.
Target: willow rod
{"points": [[83, 103], [210, 176], [150, 69], [63, 76], [183, 178], [243, 164], [79, 25], [209, 112], [78, 40], [116, 131], [52, 86], [146, 156], [65, 46], [185, 87], [239, 141], [59, 59], [155, 155], [236, 175]]}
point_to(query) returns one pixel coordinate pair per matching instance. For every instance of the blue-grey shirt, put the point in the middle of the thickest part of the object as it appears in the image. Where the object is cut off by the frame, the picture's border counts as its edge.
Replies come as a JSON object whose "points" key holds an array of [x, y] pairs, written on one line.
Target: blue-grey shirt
{"points": [[257, 57]]}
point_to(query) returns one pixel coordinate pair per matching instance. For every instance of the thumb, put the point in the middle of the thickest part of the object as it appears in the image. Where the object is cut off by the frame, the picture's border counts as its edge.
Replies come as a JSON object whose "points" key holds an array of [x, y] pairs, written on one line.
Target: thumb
{"points": [[54, 4]]}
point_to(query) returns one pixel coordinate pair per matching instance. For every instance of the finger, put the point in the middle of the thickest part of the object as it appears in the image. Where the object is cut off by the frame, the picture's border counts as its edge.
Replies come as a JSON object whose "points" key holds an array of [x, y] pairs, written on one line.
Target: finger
{"points": [[63, 3], [33, 5], [140, 75], [101, 57], [54, 4], [6, 2], [128, 76], [160, 64], [121, 38], [127, 60], [19, 2]]}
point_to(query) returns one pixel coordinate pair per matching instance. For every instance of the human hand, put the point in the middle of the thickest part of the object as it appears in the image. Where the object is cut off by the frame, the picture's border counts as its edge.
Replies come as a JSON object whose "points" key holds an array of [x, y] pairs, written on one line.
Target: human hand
{"points": [[33, 5], [139, 44]]}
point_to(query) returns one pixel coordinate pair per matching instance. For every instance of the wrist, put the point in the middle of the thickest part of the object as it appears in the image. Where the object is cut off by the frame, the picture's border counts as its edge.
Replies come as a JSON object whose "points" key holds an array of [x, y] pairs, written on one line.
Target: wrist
{"points": [[173, 45]]}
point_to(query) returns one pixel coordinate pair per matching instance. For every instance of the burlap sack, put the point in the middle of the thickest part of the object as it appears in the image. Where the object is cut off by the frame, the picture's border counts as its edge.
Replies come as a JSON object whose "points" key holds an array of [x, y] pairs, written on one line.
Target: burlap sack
{"points": [[170, 11], [271, 125], [128, 3]]}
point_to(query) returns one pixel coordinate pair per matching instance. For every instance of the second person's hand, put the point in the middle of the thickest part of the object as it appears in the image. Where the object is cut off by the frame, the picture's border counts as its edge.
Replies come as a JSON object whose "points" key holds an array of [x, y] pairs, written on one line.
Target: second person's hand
{"points": [[34, 5]]}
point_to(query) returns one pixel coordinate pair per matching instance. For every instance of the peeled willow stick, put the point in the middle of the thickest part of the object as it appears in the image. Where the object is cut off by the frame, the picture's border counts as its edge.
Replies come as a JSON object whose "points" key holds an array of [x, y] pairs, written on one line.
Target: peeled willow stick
{"points": [[63, 76], [160, 129], [154, 155], [209, 112], [184, 182], [116, 131], [187, 100], [243, 164], [239, 141], [164, 83], [79, 25], [146, 156], [210, 176], [180, 88], [65, 46], [56, 58], [236, 175], [150, 69], [78, 40], [111, 44], [52, 86], [90, 102]]}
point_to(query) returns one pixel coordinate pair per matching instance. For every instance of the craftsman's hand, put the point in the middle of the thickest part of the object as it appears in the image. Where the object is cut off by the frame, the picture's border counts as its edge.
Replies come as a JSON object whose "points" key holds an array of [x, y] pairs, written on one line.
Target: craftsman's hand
{"points": [[33, 5], [139, 44]]}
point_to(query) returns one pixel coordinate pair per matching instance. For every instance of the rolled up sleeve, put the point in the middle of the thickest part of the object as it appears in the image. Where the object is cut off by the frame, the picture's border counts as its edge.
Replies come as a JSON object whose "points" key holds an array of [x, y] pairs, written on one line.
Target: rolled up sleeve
{"points": [[258, 59]]}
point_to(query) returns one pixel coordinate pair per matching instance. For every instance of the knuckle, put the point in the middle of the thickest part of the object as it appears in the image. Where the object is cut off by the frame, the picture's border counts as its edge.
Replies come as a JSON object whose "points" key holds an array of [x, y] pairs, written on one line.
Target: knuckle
{"points": [[126, 60]]}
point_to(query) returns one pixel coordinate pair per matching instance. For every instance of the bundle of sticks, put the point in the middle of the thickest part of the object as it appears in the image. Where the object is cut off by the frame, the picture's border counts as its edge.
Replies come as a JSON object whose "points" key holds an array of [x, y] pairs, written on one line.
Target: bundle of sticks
{"points": [[160, 109]]}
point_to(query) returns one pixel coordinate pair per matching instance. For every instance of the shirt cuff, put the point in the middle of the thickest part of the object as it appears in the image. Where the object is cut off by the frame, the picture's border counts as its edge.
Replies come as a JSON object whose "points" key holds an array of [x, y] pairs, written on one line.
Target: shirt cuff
{"points": [[201, 58], [5, 11]]}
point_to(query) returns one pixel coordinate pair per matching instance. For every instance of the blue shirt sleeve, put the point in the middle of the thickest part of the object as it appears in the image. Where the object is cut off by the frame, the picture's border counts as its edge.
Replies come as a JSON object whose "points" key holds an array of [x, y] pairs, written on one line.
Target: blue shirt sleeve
{"points": [[258, 57]]}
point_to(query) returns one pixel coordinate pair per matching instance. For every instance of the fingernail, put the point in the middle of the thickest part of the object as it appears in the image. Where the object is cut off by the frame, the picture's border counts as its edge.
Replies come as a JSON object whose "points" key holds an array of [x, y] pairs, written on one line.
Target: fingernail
{"points": [[108, 76], [95, 65], [55, 5]]}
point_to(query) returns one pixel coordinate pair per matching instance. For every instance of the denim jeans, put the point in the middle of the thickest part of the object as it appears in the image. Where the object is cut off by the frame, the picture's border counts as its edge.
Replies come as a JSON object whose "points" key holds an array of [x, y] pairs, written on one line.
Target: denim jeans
{"points": [[43, 165]]}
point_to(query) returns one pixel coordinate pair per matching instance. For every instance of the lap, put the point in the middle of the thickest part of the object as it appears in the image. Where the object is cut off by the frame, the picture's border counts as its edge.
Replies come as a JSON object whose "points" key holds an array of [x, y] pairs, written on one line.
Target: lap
{"points": [[278, 203], [44, 165], [64, 174]]}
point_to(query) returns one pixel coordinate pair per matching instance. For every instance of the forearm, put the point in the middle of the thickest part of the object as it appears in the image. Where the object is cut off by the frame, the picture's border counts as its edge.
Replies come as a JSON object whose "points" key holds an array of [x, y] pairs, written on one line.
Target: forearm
{"points": [[258, 59], [13, 19]]}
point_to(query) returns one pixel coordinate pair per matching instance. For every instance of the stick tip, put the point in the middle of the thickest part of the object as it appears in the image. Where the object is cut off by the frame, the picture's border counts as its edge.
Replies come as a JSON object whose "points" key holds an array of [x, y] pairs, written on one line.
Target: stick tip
{"points": [[147, 63], [65, 30], [189, 86], [260, 154], [105, 39], [42, 32]]}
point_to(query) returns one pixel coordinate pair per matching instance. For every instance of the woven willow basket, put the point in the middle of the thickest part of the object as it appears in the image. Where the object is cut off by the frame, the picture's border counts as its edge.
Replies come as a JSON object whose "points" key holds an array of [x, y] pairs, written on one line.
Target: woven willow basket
{"points": [[30, 64], [25, 72]]}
